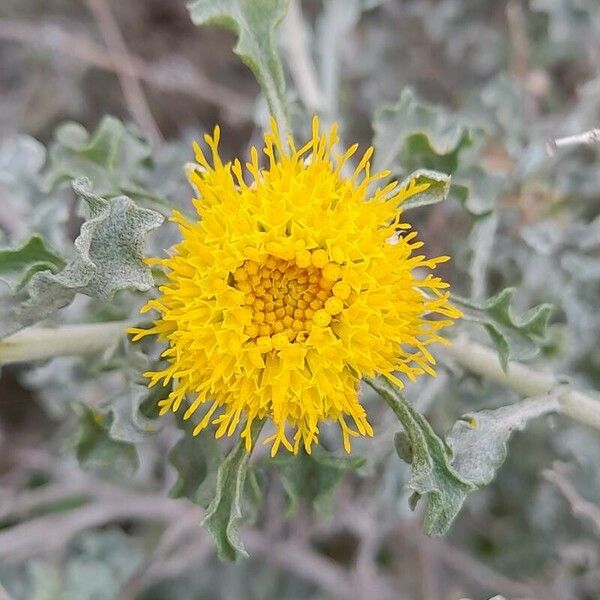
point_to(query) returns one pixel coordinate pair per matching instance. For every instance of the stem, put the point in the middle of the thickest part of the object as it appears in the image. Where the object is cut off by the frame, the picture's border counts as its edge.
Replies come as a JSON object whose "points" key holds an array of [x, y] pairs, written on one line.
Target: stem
{"points": [[130, 84], [40, 343], [484, 361], [587, 138], [296, 41]]}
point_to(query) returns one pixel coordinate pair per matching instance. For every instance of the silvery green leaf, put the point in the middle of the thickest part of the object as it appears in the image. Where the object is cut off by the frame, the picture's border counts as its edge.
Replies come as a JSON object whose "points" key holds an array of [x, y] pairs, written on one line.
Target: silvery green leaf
{"points": [[567, 20], [95, 568], [583, 268], [313, 476], [254, 22], [108, 258], [114, 157], [477, 189], [514, 337], [18, 265], [411, 135], [590, 236], [128, 423], [44, 581], [21, 159], [100, 564], [479, 440], [25, 208], [545, 237], [432, 474], [225, 512], [439, 186]]}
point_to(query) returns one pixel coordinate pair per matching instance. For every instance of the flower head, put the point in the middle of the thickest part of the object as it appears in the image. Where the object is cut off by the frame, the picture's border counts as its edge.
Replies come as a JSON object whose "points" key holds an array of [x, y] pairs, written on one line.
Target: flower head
{"points": [[295, 282]]}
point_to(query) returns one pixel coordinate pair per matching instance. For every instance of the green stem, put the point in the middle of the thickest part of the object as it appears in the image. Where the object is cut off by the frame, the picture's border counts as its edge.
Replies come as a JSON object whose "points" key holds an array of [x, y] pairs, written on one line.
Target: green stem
{"points": [[484, 361], [279, 111], [38, 343]]}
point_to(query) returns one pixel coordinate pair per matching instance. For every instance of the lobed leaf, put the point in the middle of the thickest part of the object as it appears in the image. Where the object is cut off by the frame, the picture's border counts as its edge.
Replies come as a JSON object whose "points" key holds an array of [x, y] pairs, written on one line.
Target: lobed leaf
{"points": [[477, 190], [128, 423], [479, 440], [411, 134], [432, 474], [514, 337], [254, 22], [478, 448], [225, 511], [108, 258], [26, 208], [436, 187], [113, 157], [97, 566]]}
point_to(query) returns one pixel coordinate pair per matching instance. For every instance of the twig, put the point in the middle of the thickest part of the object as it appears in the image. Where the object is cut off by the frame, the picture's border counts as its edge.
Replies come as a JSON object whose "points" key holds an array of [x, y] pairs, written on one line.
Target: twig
{"points": [[353, 518], [295, 42], [337, 21], [170, 557], [477, 571], [302, 561], [579, 506], [19, 505], [519, 44], [587, 138], [52, 532], [117, 49], [428, 561], [528, 382], [181, 78]]}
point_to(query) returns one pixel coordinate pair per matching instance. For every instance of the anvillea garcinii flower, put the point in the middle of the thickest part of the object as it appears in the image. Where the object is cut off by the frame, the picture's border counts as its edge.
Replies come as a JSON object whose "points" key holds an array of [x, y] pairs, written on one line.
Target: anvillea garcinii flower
{"points": [[294, 283]]}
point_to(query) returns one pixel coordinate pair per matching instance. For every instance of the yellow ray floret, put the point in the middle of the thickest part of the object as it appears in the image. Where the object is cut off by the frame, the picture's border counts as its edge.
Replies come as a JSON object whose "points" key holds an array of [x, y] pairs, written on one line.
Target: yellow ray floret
{"points": [[296, 281]]}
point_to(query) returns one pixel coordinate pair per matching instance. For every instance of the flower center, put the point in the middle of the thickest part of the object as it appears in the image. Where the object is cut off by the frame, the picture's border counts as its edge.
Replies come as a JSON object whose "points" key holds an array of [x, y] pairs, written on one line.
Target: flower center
{"points": [[288, 297]]}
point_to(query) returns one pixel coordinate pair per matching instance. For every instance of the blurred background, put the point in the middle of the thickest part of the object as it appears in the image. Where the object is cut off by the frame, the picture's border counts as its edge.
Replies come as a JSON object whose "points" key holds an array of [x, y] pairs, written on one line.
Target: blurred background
{"points": [[79, 522]]}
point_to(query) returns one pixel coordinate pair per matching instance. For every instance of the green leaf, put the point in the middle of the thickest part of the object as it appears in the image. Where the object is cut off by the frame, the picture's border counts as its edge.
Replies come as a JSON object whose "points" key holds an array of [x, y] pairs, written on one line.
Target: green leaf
{"points": [[437, 190], [95, 449], [478, 448], [432, 474], [254, 22], [313, 476], [196, 460], [96, 567], [108, 258], [30, 210], [114, 157], [477, 189], [225, 511], [479, 440], [128, 423], [18, 266], [411, 135], [44, 581], [515, 338], [100, 565]]}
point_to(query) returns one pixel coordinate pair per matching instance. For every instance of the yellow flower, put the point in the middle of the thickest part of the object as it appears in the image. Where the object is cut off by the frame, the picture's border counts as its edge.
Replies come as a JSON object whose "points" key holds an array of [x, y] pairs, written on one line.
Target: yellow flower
{"points": [[295, 282]]}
